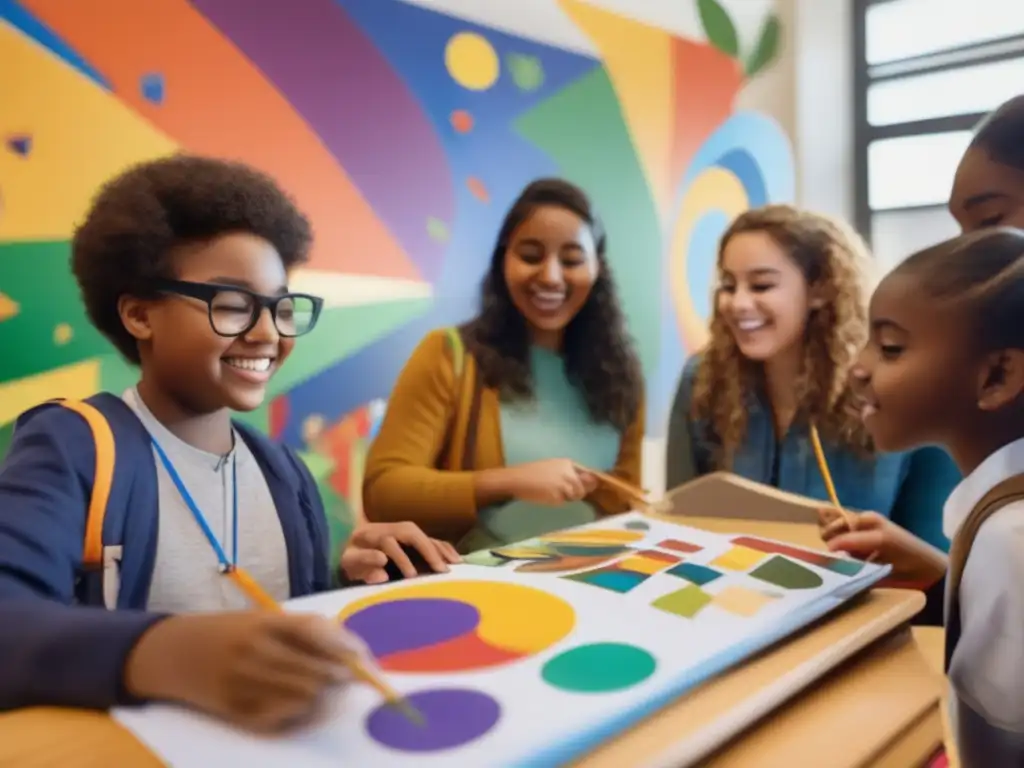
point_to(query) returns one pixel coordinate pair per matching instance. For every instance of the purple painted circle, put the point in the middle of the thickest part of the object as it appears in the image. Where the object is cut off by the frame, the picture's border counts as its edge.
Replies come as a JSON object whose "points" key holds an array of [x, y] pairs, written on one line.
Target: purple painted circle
{"points": [[451, 718], [406, 625]]}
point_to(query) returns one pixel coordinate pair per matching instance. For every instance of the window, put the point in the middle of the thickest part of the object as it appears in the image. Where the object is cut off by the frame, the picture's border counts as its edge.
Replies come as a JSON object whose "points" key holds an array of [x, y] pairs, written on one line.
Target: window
{"points": [[911, 171], [965, 90], [926, 71], [897, 234], [903, 29]]}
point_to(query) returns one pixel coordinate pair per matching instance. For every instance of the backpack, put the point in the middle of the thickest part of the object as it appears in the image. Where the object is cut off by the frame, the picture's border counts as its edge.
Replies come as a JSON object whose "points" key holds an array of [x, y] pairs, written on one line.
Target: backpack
{"points": [[98, 582], [1006, 492]]}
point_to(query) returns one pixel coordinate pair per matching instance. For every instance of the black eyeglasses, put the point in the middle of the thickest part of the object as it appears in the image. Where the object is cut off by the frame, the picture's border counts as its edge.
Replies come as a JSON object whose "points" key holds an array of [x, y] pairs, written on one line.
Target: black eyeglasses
{"points": [[234, 311]]}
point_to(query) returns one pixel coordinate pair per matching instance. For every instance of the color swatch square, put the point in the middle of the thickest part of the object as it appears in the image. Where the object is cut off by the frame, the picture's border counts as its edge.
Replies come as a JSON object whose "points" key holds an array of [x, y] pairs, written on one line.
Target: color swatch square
{"points": [[739, 559], [741, 601], [686, 602], [679, 546], [696, 574]]}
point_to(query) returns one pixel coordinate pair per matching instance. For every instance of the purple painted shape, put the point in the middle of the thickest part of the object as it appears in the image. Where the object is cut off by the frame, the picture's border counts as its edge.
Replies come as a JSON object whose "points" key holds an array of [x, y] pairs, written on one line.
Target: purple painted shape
{"points": [[451, 718], [406, 625], [346, 91]]}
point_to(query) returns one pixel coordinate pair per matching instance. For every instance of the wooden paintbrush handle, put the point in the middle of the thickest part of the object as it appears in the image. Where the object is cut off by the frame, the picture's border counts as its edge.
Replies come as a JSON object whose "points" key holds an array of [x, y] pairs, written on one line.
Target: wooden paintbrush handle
{"points": [[637, 493]]}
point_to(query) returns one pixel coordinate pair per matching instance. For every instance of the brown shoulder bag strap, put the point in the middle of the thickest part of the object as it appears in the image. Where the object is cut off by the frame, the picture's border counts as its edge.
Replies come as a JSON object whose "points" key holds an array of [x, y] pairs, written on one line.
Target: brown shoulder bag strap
{"points": [[1006, 492]]}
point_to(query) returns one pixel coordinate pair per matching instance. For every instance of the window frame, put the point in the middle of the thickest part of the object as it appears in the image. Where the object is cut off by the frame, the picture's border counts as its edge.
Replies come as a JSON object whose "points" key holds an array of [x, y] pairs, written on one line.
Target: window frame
{"points": [[865, 75]]}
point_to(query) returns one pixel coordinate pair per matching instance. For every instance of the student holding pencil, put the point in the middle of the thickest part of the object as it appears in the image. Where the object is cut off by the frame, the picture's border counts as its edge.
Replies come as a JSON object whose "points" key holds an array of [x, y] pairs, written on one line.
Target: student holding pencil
{"points": [[958, 308], [491, 427], [183, 264], [984, 634], [788, 319]]}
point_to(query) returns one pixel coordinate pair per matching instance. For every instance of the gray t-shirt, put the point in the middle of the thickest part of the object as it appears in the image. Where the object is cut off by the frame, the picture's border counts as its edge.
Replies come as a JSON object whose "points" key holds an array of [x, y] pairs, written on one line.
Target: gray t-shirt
{"points": [[185, 574]]}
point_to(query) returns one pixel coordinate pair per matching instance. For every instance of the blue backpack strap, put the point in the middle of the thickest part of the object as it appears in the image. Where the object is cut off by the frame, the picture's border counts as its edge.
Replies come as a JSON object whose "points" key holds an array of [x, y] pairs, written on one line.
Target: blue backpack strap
{"points": [[299, 508]]}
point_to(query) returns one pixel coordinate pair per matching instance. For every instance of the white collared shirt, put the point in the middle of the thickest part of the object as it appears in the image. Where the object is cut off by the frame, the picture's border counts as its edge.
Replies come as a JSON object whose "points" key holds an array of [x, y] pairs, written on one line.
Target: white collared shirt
{"points": [[987, 668]]}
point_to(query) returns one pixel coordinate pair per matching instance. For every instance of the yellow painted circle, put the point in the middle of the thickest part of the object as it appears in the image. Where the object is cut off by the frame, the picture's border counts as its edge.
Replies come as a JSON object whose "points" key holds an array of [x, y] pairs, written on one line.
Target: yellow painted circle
{"points": [[518, 619], [471, 61], [62, 334]]}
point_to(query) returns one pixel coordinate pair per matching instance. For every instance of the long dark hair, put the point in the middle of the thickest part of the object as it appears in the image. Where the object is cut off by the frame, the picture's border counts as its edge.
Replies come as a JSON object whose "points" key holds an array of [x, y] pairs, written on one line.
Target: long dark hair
{"points": [[599, 355]]}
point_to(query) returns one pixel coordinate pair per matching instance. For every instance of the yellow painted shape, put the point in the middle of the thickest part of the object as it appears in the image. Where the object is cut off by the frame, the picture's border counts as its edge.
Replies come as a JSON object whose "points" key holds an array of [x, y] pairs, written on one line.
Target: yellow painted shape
{"points": [[62, 334], [739, 559], [525, 552], [8, 307], [519, 619], [741, 601], [641, 564], [603, 537], [81, 137], [472, 61], [72, 382], [716, 189], [638, 59]]}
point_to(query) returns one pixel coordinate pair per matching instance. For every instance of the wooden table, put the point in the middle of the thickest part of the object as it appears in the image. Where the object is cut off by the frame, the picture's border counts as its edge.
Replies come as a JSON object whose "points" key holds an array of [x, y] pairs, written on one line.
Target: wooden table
{"points": [[880, 708]]}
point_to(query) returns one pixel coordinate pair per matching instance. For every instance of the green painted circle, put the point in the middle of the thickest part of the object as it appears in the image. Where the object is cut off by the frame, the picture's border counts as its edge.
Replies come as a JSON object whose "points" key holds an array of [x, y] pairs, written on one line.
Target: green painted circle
{"points": [[599, 668]]}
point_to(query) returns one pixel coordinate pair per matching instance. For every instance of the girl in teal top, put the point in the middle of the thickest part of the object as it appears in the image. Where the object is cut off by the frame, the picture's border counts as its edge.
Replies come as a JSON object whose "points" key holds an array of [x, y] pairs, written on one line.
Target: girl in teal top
{"points": [[788, 321], [560, 398]]}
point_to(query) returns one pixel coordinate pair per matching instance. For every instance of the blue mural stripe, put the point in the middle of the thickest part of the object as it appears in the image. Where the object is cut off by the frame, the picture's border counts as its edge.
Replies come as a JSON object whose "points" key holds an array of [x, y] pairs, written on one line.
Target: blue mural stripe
{"points": [[18, 17], [745, 168], [767, 146]]}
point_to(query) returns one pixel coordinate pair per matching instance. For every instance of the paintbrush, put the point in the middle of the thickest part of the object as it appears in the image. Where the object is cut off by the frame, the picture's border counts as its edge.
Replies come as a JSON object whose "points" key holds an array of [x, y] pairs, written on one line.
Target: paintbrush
{"points": [[647, 504], [251, 589]]}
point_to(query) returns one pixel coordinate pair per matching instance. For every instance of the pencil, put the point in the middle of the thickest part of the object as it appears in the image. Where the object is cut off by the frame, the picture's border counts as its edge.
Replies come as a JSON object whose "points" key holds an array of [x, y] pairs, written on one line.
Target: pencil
{"points": [[251, 589], [826, 475]]}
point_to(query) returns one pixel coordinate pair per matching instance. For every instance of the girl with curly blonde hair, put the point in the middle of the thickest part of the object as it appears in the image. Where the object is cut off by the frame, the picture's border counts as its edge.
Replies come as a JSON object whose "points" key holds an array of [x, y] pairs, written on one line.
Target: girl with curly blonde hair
{"points": [[789, 319]]}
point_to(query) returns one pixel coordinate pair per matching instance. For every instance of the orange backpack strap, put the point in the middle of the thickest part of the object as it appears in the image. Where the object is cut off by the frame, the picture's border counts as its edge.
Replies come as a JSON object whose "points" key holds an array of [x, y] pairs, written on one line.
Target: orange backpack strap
{"points": [[103, 480], [1006, 492]]}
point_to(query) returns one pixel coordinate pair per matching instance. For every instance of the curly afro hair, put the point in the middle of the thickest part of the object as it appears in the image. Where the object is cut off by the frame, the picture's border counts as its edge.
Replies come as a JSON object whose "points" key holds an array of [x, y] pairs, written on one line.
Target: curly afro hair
{"points": [[599, 355], [831, 255], [139, 219]]}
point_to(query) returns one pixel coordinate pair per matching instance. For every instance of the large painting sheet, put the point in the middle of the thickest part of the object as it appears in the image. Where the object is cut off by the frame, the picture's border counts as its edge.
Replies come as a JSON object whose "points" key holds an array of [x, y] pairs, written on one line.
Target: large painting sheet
{"points": [[534, 654]]}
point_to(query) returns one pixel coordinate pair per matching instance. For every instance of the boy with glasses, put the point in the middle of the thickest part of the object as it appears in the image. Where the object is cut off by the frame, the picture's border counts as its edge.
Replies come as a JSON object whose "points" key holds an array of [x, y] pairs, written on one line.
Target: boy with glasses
{"points": [[183, 264]]}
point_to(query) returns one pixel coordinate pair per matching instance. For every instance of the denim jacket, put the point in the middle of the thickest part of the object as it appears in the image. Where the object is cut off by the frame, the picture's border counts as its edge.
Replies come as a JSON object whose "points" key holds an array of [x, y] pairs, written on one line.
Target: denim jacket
{"points": [[909, 488]]}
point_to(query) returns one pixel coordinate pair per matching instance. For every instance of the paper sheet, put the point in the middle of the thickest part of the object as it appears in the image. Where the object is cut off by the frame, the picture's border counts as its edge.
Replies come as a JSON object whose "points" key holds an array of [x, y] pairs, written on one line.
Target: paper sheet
{"points": [[533, 654]]}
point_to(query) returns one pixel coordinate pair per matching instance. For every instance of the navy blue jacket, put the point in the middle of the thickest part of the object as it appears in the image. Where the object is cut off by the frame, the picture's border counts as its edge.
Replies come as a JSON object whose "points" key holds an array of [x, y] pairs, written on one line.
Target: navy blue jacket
{"points": [[56, 647]]}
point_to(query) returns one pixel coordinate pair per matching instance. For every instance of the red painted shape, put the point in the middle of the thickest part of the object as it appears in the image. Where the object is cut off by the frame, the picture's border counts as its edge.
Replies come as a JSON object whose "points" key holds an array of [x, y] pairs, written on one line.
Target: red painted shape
{"points": [[278, 416], [775, 548], [653, 554], [706, 82], [461, 654], [679, 546]]}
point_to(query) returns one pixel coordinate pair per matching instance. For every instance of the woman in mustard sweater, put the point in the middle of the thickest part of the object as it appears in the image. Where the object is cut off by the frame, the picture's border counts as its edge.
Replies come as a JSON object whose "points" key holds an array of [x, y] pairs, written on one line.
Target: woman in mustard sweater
{"points": [[488, 423]]}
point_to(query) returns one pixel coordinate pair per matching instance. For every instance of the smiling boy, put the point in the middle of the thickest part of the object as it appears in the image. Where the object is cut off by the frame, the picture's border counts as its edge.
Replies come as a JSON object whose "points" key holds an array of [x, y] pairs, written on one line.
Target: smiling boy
{"points": [[183, 265]]}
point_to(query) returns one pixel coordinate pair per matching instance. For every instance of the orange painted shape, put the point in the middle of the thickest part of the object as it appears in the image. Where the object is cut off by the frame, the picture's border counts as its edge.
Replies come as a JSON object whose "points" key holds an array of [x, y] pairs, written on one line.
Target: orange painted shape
{"points": [[460, 654], [217, 103], [462, 121], [478, 190], [706, 82]]}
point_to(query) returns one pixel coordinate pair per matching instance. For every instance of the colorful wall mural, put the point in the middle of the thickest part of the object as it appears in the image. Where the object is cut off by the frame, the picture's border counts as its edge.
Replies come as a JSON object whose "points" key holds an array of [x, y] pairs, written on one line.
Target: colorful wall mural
{"points": [[404, 133]]}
